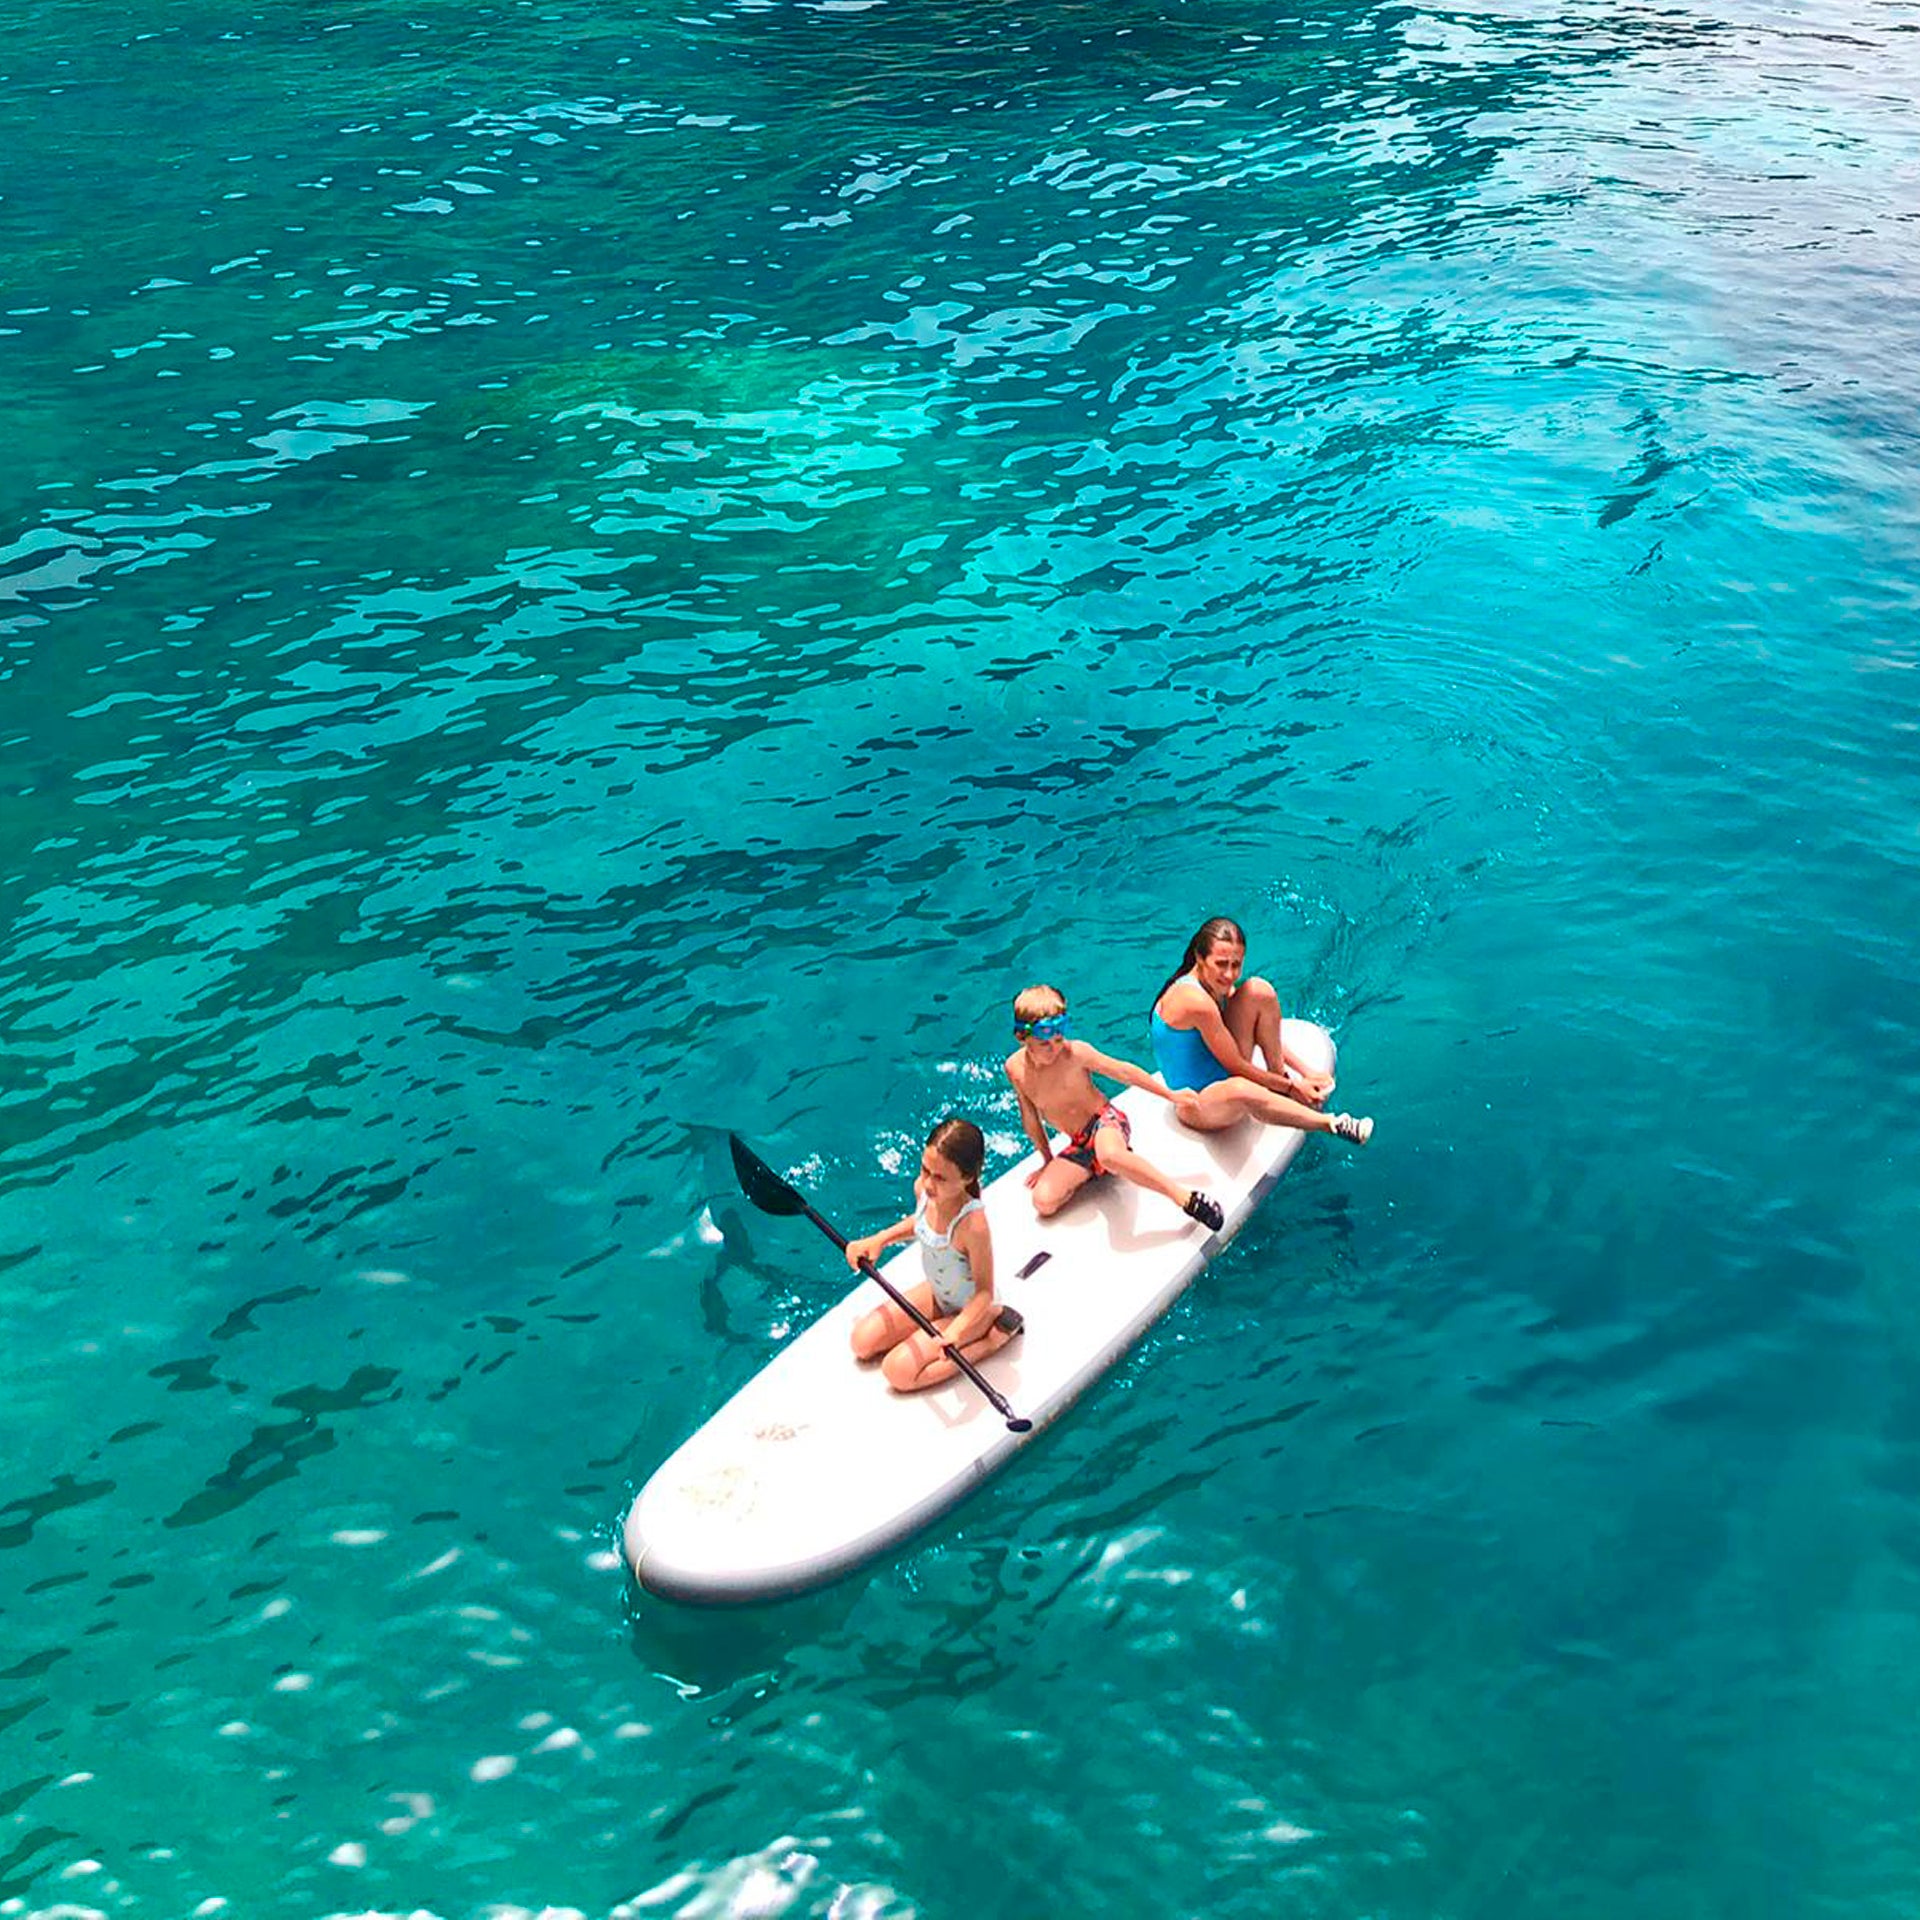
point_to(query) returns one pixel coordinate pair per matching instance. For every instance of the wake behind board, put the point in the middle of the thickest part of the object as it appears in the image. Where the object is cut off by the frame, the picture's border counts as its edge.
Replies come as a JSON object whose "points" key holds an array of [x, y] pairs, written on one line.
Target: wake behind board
{"points": [[815, 1465]]}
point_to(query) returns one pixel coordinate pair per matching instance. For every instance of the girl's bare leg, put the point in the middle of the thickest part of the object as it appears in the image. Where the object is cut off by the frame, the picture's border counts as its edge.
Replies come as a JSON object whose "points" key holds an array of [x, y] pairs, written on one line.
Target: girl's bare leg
{"points": [[886, 1326], [918, 1363]]}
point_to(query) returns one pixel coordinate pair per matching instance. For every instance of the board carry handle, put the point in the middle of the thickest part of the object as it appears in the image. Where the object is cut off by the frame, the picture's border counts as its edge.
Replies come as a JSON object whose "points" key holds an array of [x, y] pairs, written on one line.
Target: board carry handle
{"points": [[771, 1194]]}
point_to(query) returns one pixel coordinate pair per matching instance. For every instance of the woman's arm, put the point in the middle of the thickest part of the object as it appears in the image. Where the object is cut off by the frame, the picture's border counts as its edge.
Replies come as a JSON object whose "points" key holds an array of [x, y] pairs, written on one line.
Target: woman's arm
{"points": [[1299, 1075]]}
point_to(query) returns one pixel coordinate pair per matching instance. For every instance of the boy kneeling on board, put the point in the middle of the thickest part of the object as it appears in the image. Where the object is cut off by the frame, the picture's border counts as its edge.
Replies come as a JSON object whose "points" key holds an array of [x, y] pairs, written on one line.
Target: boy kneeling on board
{"points": [[1053, 1076]]}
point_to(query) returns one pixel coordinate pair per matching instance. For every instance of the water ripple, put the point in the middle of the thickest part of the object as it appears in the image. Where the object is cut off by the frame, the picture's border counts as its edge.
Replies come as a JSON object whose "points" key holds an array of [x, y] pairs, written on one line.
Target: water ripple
{"points": [[573, 584]]}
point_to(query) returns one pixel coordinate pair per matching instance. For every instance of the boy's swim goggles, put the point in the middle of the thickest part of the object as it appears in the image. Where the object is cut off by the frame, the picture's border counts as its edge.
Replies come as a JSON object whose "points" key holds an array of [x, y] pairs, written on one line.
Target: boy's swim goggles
{"points": [[1053, 1027]]}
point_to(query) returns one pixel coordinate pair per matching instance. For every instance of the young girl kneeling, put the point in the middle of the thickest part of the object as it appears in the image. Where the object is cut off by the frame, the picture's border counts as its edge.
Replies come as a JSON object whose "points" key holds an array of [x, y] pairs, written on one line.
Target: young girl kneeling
{"points": [[956, 1255]]}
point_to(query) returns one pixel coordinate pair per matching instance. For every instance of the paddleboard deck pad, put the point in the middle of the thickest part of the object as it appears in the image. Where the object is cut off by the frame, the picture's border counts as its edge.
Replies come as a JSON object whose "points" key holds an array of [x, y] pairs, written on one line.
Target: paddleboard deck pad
{"points": [[815, 1465]]}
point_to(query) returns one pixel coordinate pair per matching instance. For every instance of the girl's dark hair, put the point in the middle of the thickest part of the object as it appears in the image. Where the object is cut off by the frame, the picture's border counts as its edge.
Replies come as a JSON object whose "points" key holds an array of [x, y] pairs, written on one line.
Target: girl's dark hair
{"points": [[1218, 928], [964, 1145]]}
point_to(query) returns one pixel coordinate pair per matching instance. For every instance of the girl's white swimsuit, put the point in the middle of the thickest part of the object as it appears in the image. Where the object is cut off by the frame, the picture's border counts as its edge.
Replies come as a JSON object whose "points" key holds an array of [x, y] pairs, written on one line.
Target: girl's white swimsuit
{"points": [[943, 1263]]}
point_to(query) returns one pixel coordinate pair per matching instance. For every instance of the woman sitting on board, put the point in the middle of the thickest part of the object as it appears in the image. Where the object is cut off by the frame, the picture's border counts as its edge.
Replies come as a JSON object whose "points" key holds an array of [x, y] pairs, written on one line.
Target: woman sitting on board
{"points": [[1209, 1023], [956, 1255]]}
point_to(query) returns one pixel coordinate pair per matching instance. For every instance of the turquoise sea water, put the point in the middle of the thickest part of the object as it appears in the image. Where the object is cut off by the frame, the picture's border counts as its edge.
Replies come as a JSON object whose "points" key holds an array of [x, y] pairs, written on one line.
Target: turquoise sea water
{"points": [[576, 578]]}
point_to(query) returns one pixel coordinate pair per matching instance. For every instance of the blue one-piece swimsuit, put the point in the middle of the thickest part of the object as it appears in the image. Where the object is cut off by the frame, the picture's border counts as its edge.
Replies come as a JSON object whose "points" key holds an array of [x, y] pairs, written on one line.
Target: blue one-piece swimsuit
{"points": [[1184, 1058]]}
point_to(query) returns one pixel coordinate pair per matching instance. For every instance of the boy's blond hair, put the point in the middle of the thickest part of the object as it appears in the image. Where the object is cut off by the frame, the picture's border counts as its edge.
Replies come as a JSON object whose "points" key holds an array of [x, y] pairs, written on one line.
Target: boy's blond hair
{"points": [[1039, 1002]]}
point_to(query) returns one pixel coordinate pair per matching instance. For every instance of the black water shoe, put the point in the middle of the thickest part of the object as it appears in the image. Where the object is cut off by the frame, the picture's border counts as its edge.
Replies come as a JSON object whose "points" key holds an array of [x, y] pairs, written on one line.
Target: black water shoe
{"points": [[1206, 1211]]}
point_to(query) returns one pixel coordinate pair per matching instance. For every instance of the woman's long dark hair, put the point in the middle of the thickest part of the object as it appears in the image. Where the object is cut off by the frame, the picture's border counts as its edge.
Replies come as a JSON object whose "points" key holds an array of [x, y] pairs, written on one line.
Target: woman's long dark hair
{"points": [[1218, 928], [963, 1146]]}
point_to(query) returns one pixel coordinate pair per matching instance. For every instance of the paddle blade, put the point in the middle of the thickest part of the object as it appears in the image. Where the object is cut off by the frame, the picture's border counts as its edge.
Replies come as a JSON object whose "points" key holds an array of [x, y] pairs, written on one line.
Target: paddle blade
{"points": [[760, 1183]]}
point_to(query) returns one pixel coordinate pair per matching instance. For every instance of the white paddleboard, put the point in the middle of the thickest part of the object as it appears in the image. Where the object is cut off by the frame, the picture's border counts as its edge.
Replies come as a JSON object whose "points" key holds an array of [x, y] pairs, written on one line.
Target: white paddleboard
{"points": [[815, 1465]]}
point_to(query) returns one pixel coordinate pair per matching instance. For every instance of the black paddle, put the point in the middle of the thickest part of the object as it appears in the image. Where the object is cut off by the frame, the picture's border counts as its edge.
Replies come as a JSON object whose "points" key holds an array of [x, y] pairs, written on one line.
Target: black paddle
{"points": [[771, 1194]]}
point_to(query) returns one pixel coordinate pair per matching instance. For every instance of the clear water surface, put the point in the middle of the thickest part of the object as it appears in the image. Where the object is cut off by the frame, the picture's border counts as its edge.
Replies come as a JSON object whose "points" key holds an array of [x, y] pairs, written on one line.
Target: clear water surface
{"points": [[574, 578]]}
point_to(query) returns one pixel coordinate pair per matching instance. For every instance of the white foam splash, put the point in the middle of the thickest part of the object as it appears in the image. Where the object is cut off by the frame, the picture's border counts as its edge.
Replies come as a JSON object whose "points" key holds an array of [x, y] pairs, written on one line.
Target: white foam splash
{"points": [[419, 1806], [1286, 1834], [756, 1886]]}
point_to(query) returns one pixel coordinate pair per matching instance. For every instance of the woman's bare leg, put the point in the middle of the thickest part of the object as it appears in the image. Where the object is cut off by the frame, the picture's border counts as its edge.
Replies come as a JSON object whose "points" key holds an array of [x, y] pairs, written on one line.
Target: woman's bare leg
{"points": [[1227, 1102], [1253, 1018]]}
